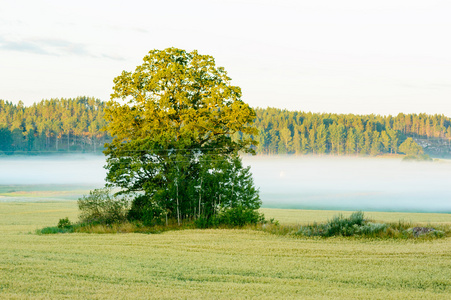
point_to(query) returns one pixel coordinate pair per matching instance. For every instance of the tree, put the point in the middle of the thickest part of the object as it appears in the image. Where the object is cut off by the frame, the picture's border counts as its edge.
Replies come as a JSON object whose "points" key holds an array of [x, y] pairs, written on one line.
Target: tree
{"points": [[6, 139], [172, 120], [409, 147], [285, 139], [376, 144], [312, 140], [321, 139], [351, 142], [385, 140], [297, 142]]}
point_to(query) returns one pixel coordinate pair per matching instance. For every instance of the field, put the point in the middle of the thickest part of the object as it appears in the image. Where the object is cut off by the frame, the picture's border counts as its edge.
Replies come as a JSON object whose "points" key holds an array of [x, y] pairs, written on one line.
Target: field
{"points": [[298, 216], [211, 263]]}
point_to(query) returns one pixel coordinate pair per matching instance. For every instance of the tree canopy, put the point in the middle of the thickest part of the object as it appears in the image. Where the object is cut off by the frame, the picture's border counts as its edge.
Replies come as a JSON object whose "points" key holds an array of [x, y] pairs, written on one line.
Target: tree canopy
{"points": [[409, 147], [172, 122]]}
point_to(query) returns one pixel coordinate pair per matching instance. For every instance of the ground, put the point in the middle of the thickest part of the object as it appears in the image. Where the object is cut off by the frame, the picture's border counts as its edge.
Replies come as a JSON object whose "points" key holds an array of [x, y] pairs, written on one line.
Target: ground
{"points": [[213, 263]]}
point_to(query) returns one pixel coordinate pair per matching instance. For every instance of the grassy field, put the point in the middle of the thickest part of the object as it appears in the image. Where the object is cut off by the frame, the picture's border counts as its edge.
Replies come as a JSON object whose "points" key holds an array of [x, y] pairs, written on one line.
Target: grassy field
{"points": [[298, 216], [213, 263]]}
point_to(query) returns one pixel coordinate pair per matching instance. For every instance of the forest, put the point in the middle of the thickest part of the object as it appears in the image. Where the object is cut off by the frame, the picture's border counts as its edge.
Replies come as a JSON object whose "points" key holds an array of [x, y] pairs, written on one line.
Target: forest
{"points": [[52, 126], [75, 125]]}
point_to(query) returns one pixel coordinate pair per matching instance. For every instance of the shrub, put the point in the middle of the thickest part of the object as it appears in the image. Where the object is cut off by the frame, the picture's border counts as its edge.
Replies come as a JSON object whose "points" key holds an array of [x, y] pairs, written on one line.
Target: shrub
{"points": [[355, 224], [340, 225], [64, 223], [238, 216], [371, 229], [145, 210], [54, 230], [102, 207]]}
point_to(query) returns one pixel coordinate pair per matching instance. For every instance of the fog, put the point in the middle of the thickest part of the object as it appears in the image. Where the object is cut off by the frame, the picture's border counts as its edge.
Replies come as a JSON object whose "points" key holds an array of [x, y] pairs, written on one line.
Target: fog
{"points": [[74, 169], [352, 183], [285, 182]]}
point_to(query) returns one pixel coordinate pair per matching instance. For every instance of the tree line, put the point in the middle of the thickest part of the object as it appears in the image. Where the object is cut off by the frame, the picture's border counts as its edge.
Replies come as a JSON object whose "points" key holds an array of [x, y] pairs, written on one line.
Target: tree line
{"points": [[55, 125], [297, 132], [75, 125]]}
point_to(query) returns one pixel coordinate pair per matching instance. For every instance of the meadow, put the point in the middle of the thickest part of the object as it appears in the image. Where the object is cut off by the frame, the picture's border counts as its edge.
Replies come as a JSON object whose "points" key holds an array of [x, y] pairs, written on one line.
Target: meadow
{"points": [[213, 263]]}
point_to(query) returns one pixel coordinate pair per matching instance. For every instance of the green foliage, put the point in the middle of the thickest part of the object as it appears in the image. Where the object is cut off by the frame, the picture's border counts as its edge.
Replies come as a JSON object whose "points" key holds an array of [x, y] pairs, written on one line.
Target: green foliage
{"points": [[60, 125], [55, 230], [371, 229], [346, 133], [237, 217], [409, 147], [100, 206], [52, 126], [178, 125], [357, 226], [146, 210], [338, 226], [64, 223]]}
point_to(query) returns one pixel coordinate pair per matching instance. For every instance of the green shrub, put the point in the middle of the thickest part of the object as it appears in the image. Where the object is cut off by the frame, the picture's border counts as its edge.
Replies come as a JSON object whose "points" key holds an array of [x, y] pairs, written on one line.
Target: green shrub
{"points": [[355, 224], [203, 222], [64, 223], [437, 234], [235, 216], [340, 225], [54, 230], [103, 208], [147, 211], [238, 216], [371, 229]]}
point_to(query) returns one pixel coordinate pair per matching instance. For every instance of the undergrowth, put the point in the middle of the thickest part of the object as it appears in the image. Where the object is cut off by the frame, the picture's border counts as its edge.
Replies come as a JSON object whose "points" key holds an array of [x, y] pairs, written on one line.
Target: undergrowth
{"points": [[357, 226], [353, 226], [137, 227]]}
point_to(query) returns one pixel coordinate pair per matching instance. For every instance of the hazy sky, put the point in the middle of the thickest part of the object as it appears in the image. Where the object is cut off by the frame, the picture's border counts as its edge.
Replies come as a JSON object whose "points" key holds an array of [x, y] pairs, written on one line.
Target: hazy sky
{"points": [[381, 57]]}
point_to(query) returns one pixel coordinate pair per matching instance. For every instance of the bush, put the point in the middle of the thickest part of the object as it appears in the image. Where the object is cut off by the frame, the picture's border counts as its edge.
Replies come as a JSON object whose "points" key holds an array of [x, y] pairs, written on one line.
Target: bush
{"points": [[64, 223], [54, 230], [103, 208], [238, 216], [145, 210], [340, 226], [356, 225], [372, 229]]}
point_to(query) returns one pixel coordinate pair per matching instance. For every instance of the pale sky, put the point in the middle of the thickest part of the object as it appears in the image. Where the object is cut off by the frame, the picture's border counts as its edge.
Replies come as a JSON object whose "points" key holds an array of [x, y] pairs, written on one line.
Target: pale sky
{"points": [[382, 57]]}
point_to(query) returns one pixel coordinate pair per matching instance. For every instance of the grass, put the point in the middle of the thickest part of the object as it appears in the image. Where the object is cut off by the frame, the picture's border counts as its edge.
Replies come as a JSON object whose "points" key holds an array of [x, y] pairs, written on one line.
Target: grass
{"points": [[357, 225], [304, 217], [214, 263]]}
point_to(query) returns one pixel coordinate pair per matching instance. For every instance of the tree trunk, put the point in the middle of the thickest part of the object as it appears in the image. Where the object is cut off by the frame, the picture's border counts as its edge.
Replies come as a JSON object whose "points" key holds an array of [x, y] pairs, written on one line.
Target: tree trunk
{"points": [[178, 209], [200, 193]]}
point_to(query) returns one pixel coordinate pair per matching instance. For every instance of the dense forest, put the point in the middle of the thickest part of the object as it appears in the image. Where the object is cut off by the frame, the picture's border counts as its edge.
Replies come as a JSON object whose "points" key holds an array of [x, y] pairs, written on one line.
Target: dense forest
{"points": [[55, 125], [75, 125], [284, 132]]}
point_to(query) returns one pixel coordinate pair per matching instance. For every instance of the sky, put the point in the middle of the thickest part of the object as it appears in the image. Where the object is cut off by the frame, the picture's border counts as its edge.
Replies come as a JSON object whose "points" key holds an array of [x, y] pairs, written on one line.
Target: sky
{"points": [[348, 56]]}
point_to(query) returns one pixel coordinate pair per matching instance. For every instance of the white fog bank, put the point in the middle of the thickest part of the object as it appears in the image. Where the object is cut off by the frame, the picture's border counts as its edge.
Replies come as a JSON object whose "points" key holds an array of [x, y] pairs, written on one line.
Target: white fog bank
{"points": [[386, 184], [73, 169], [336, 183]]}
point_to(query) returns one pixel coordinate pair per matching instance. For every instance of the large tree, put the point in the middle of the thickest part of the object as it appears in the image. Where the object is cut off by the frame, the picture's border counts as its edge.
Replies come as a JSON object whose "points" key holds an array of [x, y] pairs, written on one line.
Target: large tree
{"points": [[172, 122]]}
